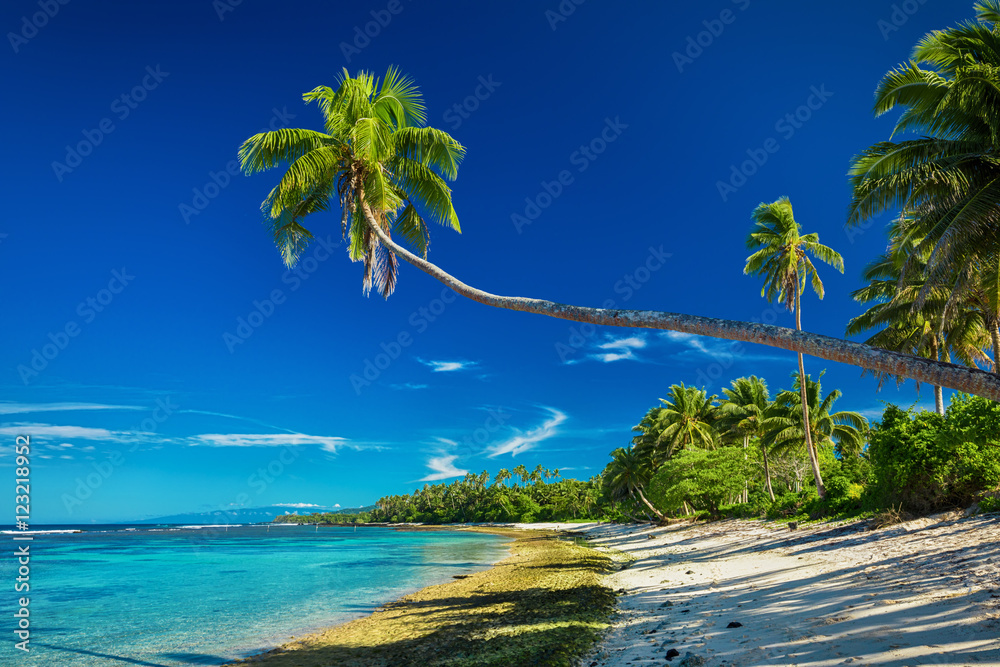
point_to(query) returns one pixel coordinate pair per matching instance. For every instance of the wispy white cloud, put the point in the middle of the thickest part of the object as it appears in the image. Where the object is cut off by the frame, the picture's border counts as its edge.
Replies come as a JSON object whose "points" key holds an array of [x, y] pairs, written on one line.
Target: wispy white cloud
{"points": [[715, 348], [612, 349], [443, 467], [408, 386], [58, 435], [327, 443], [55, 432], [13, 408], [523, 442], [447, 366]]}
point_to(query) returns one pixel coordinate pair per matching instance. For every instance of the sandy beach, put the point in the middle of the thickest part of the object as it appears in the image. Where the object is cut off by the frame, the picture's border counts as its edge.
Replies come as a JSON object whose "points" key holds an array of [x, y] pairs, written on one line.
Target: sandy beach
{"points": [[925, 592]]}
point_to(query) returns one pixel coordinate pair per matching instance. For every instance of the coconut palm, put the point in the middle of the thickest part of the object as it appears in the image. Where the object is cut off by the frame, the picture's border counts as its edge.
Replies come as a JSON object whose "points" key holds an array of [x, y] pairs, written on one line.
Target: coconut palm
{"points": [[687, 419], [938, 326], [947, 178], [626, 476], [782, 259], [741, 413], [783, 422], [647, 438], [387, 173]]}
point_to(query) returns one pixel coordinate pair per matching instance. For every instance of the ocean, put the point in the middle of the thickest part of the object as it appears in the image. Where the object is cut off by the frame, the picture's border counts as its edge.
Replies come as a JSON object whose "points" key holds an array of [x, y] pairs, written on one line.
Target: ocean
{"points": [[171, 596]]}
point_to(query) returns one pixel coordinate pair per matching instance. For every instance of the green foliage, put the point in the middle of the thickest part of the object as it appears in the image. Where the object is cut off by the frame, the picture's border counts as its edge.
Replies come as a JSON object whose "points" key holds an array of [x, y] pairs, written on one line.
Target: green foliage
{"points": [[991, 504], [924, 462], [705, 480], [375, 159], [793, 505], [524, 496]]}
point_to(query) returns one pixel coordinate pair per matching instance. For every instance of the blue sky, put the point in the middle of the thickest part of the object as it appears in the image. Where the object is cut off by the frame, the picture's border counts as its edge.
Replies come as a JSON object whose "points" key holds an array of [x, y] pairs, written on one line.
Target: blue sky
{"points": [[164, 360]]}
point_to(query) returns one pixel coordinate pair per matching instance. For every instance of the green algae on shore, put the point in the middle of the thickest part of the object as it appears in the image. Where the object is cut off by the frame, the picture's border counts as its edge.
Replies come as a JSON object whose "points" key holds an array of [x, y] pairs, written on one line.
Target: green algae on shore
{"points": [[543, 605]]}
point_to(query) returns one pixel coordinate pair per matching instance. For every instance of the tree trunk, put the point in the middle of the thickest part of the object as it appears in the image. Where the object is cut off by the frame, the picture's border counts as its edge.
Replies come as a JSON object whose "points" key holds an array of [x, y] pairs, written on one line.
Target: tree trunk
{"points": [[767, 473], [650, 505], [961, 378], [938, 390], [995, 334], [813, 455], [746, 481]]}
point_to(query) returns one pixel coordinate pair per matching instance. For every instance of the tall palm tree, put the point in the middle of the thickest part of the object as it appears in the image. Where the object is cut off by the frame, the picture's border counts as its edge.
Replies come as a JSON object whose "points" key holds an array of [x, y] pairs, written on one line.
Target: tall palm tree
{"points": [[647, 438], [935, 327], [627, 475], [742, 411], [782, 259], [687, 419], [784, 422], [386, 171]]}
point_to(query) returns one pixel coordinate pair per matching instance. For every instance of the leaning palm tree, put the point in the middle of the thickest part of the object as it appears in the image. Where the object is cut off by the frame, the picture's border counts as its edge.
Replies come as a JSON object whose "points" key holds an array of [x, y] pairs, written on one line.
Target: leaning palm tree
{"points": [[626, 476], [387, 173], [687, 420], [782, 259], [784, 426], [741, 413]]}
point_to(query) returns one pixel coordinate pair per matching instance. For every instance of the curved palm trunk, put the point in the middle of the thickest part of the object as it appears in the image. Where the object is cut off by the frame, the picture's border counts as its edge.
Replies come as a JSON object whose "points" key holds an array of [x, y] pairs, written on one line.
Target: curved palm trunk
{"points": [[767, 473], [961, 378], [649, 505], [813, 458]]}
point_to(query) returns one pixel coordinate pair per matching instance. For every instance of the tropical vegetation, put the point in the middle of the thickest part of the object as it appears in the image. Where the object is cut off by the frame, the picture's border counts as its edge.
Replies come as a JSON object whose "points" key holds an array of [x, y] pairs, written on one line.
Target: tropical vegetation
{"points": [[932, 309]]}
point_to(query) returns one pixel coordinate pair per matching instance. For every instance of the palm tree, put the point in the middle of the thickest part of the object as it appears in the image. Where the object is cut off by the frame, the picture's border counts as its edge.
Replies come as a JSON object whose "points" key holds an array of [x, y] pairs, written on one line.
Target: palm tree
{"points": [[783, 422], [686, 420], [948, 176], [934, 326], [387, 171], [647, 440], [626, 476], [742, 411], [782, 259]]}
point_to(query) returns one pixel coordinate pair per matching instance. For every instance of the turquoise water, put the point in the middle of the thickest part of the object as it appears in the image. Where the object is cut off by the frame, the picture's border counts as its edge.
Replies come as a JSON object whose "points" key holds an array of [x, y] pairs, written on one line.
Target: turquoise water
{"points": [[167, 597]]}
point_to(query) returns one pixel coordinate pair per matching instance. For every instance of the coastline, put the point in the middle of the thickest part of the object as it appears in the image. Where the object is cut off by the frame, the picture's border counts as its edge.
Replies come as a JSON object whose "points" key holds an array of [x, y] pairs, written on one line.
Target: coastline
{"points": [[922, 592], [543, 604]]}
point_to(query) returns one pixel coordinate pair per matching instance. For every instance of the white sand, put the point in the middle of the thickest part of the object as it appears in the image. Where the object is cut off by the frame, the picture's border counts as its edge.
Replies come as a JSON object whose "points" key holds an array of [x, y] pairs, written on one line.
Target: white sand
{"points": [[926, 592]]}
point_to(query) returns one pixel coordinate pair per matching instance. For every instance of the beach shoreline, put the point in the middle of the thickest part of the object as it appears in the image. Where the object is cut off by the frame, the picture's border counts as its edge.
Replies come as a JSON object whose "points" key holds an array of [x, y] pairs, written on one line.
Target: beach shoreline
{"points": [[921, 592], [546, 581]]}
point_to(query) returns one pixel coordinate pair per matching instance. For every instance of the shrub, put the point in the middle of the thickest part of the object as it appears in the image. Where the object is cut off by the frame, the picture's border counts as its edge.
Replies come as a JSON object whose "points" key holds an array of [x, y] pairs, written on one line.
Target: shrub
{"points": [[923, 462]]}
